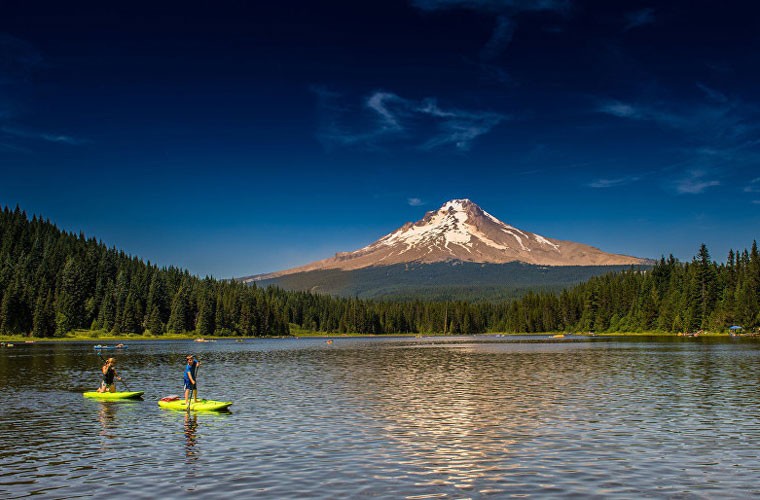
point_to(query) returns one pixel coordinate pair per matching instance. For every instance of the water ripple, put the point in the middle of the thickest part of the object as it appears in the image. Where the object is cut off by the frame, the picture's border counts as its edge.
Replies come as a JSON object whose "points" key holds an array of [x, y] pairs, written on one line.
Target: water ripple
{"points": [[390, 418]]}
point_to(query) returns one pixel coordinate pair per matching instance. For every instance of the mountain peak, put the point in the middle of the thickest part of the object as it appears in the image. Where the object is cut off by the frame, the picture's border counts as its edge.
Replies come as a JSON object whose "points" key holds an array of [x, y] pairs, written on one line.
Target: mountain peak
{"points": [[462, 231], [458, 203]]}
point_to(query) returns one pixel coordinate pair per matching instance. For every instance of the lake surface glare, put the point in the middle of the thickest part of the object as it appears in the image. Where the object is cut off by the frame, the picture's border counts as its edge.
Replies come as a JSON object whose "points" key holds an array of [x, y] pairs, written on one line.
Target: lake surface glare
{"points": [[413, 418]]}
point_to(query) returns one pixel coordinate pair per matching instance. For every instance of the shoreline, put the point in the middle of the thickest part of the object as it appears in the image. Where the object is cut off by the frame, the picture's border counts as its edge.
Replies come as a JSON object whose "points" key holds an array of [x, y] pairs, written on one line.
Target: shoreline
{"points": [[95, 336]]}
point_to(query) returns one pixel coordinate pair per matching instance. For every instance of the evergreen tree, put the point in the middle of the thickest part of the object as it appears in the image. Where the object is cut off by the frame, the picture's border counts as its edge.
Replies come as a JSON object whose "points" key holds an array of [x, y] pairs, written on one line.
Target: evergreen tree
{"points": [[181, 312], [44, 317], [706, 280], [206, 315], [154, 325], [71, 298]]}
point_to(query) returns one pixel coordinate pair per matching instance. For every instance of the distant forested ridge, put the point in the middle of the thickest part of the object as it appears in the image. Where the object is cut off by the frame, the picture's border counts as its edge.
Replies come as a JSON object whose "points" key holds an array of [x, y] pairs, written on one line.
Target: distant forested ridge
{"points": [[448, 281], [52, 282]]}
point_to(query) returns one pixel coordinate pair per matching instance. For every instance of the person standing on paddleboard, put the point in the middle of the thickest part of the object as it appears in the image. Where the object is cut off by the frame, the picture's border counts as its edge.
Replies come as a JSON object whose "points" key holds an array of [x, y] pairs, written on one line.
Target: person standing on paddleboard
{"points": [[109, 374], [190, 382]]}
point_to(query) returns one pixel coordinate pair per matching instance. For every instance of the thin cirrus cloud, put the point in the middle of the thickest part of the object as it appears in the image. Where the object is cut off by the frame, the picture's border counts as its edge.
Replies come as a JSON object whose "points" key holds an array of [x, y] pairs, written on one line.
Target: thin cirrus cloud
{"points": [[43, 136], [720, 119], [642, 112], [722, 132], [639, 18], [496, 6], [504, 30], [384, 118], [501, 37], [19, 61], [695, 182], [713, 94], [611, 183], [415, 202], [753, 187]]}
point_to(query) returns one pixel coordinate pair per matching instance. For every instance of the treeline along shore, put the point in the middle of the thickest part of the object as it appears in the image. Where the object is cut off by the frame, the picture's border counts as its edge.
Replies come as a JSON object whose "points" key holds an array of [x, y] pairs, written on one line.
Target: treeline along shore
{"points": [[53, 282]]}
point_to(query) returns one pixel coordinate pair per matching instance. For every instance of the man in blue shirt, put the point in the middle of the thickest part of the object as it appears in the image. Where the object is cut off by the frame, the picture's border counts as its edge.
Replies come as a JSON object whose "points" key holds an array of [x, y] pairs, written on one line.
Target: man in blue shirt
{"points": [[189, 378]]}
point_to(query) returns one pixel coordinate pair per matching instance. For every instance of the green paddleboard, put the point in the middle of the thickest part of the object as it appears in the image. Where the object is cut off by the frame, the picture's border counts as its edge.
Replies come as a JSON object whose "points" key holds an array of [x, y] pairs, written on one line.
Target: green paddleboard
{"points": [[200, 405], [114, 395]]}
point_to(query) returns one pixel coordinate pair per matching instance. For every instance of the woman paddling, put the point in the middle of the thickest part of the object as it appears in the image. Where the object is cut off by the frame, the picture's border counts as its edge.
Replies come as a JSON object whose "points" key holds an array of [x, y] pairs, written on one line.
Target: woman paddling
{"points": [[109, 374], [189, 377]]}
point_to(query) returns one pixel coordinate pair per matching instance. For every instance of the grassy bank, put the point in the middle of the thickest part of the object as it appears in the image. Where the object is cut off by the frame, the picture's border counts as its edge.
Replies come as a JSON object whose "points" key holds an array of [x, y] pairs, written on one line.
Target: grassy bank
{"points": [[95, 335], [90, 335]]}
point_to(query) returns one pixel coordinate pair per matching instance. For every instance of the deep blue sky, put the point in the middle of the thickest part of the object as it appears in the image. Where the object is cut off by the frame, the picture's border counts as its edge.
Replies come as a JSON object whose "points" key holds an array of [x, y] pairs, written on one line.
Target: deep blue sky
{"points": [[235, 138]]}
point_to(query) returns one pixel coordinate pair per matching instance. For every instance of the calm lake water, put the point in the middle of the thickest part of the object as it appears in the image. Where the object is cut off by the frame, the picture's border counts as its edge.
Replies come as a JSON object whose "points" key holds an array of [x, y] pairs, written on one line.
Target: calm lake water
{"points": [[390, 418]]}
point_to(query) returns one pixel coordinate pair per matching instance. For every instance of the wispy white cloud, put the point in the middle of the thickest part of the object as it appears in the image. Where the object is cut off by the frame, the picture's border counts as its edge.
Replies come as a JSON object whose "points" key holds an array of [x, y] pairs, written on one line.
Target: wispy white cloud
{"points": [[494, 73], [720, 120], [619, 109], [753, 187], [387, 117], [19, 60], [415, 202], [44, 136], [506, 12], [695, 182], [494, 6], [380, 103], [712, 93], [461, 132], [610, 183], [722, 133], [639, 18], [501, 37], [61, 139], [458, 127], [655, 113]]}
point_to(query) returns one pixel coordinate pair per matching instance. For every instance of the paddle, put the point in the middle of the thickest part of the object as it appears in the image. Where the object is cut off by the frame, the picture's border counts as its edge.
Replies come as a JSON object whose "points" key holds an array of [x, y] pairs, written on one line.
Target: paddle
{"points": [[100, 376]]}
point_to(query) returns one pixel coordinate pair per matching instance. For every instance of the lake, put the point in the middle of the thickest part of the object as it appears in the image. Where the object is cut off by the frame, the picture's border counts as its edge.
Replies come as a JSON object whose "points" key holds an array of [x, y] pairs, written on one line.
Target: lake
{"points": [[415, 418]]}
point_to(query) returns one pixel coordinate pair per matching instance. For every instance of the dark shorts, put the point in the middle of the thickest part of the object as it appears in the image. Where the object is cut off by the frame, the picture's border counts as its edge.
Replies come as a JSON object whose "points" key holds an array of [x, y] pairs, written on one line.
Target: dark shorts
{"points": [[188, 385]]}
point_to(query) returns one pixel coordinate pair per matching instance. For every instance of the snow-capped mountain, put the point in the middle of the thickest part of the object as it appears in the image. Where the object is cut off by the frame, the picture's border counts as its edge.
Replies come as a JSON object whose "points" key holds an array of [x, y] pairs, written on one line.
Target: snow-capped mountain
{"points": [[461, 231]]}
